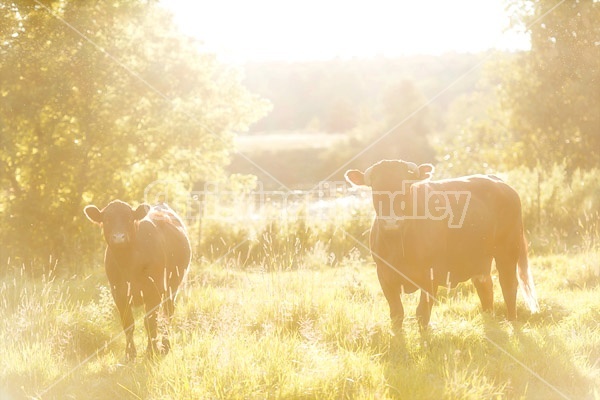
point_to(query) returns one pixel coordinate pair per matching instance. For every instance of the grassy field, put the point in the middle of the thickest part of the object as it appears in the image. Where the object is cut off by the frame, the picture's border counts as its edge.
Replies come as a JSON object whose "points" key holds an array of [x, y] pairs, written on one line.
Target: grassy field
{"points": [[315, 332]]}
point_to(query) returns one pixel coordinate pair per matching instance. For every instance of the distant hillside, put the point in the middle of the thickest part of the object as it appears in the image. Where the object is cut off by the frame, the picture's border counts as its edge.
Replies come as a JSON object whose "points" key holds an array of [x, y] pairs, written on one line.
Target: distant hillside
{"points": [[286, 141], [332, 95], [331, 112]]}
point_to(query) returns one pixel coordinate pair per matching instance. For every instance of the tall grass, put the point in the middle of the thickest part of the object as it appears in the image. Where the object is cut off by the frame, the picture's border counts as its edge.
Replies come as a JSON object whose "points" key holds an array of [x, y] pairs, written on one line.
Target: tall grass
{"points": [[561, 210], [284, 303], [561, 213], [313, 332], [287, 238]]}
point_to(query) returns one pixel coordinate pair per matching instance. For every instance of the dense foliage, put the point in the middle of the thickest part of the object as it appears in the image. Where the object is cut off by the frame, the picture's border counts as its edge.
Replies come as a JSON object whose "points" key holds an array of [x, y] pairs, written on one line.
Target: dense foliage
{"points": [[553, 91], [541, 107], [97, 102], [101, 101]]}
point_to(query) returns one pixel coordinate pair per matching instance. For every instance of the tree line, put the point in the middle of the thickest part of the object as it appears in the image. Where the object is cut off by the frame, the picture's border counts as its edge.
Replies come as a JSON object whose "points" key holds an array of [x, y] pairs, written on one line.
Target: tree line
{"points": [[99, 100]]}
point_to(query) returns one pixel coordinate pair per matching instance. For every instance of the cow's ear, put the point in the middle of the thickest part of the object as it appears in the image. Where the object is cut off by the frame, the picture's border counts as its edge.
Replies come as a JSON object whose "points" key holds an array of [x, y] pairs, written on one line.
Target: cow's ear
{"points": [[141, 211], [355, 177], [93, 214], [425, 171]]}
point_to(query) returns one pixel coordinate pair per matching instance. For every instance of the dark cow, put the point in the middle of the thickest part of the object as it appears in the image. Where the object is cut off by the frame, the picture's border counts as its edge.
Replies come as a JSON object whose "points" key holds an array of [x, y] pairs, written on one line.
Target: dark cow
{"points": [[438, 233], [147, 256]]}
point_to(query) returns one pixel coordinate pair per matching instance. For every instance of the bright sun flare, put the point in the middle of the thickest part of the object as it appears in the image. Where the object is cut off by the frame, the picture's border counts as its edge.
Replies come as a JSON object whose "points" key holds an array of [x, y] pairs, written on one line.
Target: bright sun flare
{"points": [[314, 29]]}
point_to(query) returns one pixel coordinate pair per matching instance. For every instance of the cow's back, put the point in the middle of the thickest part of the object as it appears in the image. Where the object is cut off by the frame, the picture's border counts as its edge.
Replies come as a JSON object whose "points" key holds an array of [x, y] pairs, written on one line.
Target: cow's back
{"points": [[162, 249], [173, 236], [492, 220], [493, 205]]}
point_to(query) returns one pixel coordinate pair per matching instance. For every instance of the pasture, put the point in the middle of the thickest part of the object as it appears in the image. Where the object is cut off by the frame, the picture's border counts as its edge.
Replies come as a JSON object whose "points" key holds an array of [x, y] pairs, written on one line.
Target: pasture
{"points": [[282, 300], [312, 330]]}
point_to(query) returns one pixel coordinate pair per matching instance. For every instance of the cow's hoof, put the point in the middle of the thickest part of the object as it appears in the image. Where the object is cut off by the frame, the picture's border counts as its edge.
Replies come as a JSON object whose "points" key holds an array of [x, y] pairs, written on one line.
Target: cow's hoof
{"points": [[130, 354], [158, 350], [397, 328], [424, 329], [152, 355], [166, 346]]}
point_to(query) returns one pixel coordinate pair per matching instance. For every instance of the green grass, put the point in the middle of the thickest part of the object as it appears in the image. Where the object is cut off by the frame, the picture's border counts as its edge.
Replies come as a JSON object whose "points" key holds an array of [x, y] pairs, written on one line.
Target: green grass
{"points": [[316, 332]]}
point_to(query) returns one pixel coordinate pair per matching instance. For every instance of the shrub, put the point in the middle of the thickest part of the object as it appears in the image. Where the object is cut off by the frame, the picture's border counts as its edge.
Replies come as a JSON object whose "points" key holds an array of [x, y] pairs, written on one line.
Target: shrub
{"points": [[284, 238], [561, 211]]}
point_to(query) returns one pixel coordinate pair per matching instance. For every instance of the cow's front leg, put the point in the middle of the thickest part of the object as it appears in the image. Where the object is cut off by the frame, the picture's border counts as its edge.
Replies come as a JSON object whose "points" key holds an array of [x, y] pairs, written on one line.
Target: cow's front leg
{"points": [[123, 302], [392, 295], [396, 308], [425, 305], [153, 305]]}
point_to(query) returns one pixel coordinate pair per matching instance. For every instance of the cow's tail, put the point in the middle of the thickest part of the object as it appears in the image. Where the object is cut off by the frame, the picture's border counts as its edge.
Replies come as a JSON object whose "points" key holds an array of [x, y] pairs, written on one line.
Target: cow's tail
{"points": [[525, 278]]}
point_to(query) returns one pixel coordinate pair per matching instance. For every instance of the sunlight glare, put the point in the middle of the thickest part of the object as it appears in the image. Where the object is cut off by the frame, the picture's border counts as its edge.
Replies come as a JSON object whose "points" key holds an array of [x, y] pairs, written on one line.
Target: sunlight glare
{"points": [[274, 30]]}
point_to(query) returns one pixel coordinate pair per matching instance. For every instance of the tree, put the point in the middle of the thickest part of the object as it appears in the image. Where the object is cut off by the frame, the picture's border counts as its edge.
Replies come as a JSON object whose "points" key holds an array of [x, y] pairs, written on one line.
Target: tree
{"points": [[96, 102], [542, 105], [477, 137], [553, 91]]}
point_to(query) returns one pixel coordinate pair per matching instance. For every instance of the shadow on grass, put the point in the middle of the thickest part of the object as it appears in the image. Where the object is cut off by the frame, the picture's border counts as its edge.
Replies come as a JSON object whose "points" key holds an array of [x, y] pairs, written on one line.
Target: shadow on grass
{"points": [[541, 362], [487, 357], [103, 379]]}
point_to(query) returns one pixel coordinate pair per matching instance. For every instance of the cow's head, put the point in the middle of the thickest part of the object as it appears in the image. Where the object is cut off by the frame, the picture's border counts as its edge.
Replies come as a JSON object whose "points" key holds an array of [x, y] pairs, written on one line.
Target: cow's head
{"points": [[118, 220], [390, 182]]}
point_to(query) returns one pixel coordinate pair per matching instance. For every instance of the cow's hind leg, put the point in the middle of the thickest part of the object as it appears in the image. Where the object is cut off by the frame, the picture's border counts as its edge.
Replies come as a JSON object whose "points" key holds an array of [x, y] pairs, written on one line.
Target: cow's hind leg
{"points": [[425, 305], [169, 308], [485, 291], [507, 274]]}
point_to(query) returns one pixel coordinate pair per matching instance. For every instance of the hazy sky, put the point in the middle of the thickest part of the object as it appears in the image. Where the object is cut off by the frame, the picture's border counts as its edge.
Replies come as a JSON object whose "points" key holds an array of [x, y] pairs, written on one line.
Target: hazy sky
{"points": [[257, 30]]}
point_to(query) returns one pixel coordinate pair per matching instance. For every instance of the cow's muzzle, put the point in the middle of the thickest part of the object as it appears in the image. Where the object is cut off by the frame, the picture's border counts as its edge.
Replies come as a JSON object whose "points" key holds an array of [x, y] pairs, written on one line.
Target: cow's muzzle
{"points": [[118, 238]]}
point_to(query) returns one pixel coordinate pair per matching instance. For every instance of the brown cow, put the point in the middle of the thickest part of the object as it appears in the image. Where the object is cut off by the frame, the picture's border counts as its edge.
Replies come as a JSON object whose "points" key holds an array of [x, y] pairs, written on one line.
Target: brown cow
{"points": [[438, 233], [147, 256]]}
